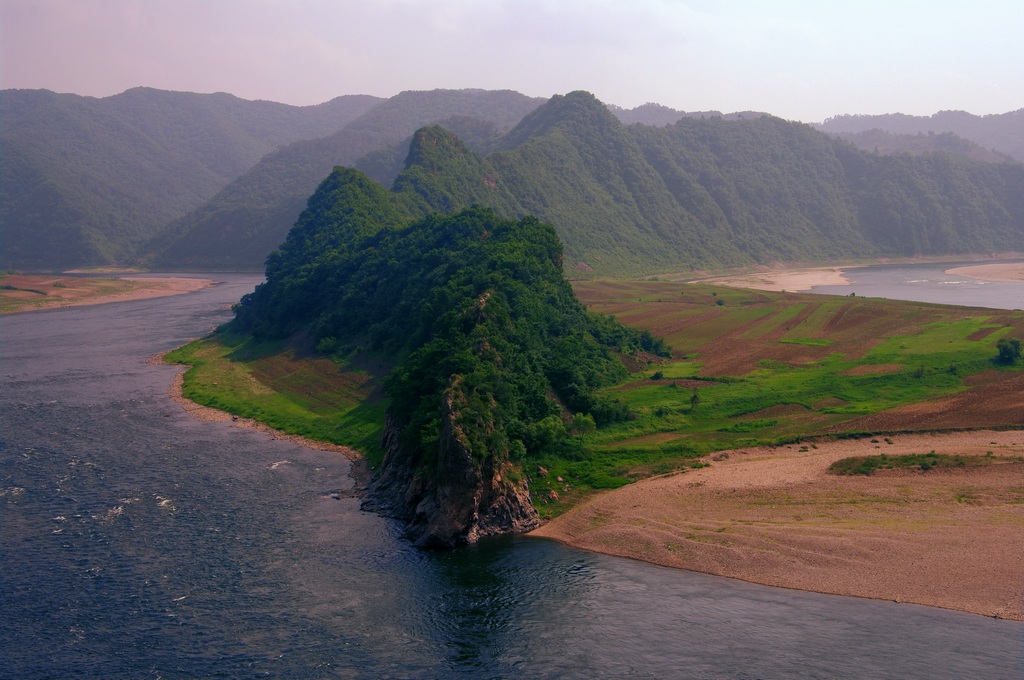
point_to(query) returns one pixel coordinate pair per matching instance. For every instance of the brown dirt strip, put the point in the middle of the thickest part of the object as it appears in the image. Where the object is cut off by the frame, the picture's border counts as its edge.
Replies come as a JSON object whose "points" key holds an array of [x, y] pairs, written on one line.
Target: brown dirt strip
{"points": [[951, 538]]}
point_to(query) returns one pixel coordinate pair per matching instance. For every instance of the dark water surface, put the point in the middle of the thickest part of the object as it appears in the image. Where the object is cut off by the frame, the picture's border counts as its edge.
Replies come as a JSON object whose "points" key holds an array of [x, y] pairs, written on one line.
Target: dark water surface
{"points": [[137, 542]]}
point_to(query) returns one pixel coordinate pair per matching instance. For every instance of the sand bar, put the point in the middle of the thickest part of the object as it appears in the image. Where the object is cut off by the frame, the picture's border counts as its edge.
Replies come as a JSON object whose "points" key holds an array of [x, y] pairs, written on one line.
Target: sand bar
{"points": [[46, 292], [951, 538], [795, 280], [1011, 271]]}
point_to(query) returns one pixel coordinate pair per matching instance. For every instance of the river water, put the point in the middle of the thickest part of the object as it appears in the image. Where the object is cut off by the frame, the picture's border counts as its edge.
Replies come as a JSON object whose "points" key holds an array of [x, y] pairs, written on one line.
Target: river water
{"points": [[137, 542], [930, 283]]}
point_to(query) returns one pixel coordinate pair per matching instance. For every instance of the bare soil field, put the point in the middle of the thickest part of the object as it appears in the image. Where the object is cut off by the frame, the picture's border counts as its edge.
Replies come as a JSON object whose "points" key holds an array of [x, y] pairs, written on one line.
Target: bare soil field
{"points": [[951, 538]]}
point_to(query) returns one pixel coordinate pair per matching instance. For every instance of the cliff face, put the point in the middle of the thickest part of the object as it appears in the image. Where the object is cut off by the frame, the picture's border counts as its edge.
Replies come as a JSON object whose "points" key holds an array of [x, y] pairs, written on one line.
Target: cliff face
{"points": [[454, 499]]}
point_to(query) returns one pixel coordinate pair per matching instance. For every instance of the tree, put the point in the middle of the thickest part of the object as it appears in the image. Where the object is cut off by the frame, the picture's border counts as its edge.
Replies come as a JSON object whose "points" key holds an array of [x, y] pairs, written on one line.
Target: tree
{"points": [[1009, 350]]}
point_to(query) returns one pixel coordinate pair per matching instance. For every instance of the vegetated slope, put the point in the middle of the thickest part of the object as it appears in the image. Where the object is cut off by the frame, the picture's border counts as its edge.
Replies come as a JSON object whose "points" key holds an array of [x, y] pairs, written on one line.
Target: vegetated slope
{"points": [[86, 180], [240, 226], [702, 193], [1002, 132], [714, 191], [884, 142], [489, 341]]}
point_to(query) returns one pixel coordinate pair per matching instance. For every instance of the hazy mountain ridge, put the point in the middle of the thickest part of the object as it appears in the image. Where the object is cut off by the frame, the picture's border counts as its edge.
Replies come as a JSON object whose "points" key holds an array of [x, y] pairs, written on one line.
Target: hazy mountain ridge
{"points": [[250, 217], [712, 192], [182, 180], [704, 191], [880, 141], [1002, 132], [114, 170]]}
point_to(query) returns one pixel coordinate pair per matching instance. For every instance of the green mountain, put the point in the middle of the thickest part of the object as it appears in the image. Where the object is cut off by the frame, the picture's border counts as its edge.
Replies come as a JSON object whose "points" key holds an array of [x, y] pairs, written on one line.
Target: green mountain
{"points": [[243, 223], [85, 181], [490, 346], [185, 181], [703, 193]]}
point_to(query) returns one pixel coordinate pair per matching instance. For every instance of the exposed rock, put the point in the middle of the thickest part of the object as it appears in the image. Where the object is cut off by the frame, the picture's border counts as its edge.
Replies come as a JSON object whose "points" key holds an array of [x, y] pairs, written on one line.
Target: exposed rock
{"points": [[455, 499]]}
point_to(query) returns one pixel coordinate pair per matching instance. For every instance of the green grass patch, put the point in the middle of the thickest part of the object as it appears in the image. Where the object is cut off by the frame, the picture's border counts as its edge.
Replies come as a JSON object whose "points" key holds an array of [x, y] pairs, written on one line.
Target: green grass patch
{"points": [[866, 465], [269, 382]]}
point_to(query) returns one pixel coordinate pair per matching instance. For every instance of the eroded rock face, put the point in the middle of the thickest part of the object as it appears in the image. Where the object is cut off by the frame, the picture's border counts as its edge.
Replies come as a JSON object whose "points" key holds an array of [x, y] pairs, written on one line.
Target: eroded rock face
{"points": [[455, 499]]}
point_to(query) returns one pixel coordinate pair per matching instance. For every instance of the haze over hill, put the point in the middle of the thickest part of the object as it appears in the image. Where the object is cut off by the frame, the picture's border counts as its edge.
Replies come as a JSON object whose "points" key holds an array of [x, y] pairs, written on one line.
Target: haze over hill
{"points": [[184, 181], [712, 192], [248, 219], [1002, 132], [86, 181]]}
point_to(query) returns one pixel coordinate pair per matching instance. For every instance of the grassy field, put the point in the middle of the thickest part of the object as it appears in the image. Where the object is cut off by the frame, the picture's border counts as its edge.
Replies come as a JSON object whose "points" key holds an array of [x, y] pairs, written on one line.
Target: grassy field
{"points": [[748, 368], [287, 388]]}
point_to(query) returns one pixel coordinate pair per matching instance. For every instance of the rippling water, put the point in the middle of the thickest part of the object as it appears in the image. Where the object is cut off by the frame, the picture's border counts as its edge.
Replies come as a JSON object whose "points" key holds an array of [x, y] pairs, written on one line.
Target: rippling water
{"points": [[137, 542]]}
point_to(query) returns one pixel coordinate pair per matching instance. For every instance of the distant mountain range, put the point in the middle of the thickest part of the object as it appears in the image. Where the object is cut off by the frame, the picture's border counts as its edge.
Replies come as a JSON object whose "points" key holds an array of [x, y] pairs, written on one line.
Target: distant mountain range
{"points": [[87, 181], [1002, 133], [637, 199], [186, 181]]}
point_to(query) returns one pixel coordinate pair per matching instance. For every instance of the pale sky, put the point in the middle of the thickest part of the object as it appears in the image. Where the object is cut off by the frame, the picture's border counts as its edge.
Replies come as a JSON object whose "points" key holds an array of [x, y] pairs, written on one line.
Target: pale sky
{"points": [[802, 60]]}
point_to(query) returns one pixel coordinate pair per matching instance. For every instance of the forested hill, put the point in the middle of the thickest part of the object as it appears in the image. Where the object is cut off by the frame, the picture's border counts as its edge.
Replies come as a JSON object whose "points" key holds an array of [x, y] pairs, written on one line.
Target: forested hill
{"points": [[706, 192], [85, 181], [489, 341], [243, 223], [711, 192], [880, 141], [1003, 132]]}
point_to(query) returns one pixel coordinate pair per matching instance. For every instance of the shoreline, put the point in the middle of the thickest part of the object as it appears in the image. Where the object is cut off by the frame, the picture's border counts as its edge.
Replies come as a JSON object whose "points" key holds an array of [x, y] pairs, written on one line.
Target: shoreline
{"points": [[1012, 271], [794, 280], [803, 279], [359, 472], [947, 538]]}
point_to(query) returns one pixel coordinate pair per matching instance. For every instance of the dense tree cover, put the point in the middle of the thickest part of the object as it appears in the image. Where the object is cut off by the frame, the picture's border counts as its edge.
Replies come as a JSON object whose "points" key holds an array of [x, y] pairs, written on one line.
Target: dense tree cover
{"points": [[473, 307], [87, 181]]}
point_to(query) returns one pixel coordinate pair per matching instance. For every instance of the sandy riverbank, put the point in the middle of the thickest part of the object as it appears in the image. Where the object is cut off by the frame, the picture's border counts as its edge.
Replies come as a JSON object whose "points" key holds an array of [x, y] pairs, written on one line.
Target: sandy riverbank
{"points": [[1013, 271], [804, 279], [34, 292], [945, 538], [795, 280]]}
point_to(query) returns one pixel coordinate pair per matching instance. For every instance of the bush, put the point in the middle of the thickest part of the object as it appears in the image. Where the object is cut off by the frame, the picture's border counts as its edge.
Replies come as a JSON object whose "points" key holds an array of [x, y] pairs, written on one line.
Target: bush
{"points": [[1009, 350]]}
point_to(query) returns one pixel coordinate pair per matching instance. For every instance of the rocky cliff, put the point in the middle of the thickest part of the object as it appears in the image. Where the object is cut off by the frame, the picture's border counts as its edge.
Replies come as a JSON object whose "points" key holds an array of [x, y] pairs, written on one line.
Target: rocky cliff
{"points": [[456, 499]]}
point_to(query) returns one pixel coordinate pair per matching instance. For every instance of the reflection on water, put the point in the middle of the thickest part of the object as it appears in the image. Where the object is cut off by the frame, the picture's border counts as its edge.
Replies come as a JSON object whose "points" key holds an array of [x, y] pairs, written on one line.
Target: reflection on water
{"points": [[137, 542]]}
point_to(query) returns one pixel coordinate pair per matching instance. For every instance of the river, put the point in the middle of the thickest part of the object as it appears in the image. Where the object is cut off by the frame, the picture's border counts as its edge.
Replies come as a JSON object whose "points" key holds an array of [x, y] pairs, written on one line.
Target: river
{"points": [[930, 283], [138, 542]]}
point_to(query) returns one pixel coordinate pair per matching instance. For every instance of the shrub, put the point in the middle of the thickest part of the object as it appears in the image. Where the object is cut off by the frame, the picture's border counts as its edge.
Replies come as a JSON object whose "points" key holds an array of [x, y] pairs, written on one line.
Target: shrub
{"points": [[1009, 350]]}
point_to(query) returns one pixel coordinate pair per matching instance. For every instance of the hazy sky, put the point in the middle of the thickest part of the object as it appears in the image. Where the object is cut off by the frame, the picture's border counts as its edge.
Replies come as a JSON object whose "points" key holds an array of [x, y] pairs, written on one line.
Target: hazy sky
{"points": [[799, 60]]}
